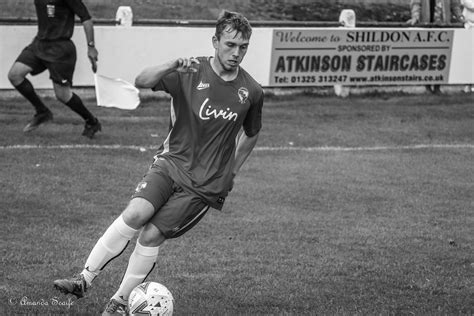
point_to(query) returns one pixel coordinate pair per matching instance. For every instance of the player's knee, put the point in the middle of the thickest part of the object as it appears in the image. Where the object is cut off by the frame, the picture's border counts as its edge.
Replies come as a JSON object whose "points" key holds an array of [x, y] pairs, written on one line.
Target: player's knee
{"points": [[151, 236], [63, 96], [62, 99], [15, 77], [137, 213], [133, 218]]}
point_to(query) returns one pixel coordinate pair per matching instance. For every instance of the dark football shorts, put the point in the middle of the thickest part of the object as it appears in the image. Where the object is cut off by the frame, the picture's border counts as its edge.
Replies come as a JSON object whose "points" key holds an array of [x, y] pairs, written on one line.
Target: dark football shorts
{"points": [[59, 57], [176, 211]]}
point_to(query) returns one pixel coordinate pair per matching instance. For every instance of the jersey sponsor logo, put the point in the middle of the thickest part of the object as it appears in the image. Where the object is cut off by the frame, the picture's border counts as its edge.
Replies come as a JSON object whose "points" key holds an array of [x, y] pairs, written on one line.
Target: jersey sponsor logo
{"points": [[243, 94], [202, 86], [207, 111]]}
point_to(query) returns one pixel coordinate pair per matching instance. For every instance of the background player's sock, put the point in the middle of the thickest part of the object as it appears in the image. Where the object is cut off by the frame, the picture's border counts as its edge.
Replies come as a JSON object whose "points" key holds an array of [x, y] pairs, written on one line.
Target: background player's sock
{"points": [[26, 89], [75, 104], [141, 263], [108, 247]]}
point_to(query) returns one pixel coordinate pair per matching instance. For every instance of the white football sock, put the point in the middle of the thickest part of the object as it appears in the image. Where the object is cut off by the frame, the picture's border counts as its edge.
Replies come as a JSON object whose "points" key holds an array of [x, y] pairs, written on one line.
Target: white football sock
{"points": [[112, 243], [141, 263]]}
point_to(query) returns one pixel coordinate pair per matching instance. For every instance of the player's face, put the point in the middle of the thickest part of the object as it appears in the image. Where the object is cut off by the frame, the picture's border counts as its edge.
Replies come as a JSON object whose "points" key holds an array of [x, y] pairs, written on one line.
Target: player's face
{"points": [[230, 49]]}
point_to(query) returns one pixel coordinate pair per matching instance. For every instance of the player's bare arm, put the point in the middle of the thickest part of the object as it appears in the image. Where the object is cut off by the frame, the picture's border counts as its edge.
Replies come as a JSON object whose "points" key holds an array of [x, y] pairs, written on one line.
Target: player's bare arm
{"points": [[92, 52], [150, 76], [245, 145]]}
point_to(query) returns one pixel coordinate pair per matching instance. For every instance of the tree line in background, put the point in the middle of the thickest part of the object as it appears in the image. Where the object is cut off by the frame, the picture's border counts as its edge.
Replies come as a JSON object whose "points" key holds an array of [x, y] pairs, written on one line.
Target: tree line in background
{"points": [[258, 10]]}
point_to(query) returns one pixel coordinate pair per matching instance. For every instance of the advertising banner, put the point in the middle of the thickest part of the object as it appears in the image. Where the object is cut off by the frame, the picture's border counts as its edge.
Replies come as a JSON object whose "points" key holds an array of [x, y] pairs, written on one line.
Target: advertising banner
{"points": [[325, 57]]}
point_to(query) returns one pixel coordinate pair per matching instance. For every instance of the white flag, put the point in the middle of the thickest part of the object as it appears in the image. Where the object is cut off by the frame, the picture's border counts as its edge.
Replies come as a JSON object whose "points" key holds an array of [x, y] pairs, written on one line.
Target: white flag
{"points": [[118, 93]]}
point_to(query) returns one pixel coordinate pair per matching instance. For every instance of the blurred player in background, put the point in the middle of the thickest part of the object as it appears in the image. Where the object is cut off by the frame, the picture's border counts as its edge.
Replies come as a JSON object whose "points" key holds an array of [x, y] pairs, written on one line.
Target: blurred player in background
{"points": [[213, 99], [468, 13], [436, 12], [53, 49]]}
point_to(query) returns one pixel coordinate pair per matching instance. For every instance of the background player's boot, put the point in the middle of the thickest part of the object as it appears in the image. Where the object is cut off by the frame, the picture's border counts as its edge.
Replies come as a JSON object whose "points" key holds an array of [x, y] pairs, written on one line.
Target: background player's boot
{"points": [[91, 129], [38, 119], [114, 307], [75, 285]]}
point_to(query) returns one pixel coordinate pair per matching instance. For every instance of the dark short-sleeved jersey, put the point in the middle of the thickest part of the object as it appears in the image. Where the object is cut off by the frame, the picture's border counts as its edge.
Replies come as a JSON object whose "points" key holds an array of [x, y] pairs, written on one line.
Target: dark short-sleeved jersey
{"points": [[56, 18], [207, 114]]}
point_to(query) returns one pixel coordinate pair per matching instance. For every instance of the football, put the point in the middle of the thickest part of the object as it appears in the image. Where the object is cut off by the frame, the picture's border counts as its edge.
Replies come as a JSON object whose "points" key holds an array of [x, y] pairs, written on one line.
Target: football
{"points": [[150, 298]]}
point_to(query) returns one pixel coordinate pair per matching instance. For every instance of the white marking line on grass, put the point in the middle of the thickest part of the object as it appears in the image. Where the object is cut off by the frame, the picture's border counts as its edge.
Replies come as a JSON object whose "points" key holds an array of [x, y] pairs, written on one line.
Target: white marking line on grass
{"points": [[288, 148], [374, 148]]}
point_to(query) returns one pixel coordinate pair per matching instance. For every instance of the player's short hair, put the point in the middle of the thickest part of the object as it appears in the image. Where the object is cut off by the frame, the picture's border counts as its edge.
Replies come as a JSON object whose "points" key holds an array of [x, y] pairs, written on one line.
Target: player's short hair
{"points": [[229, 21]]}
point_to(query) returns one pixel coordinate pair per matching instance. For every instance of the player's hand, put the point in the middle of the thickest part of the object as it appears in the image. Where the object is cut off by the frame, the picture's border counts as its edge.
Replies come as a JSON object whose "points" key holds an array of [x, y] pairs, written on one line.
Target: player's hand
{"points": [[186, 64], [93, 54]]}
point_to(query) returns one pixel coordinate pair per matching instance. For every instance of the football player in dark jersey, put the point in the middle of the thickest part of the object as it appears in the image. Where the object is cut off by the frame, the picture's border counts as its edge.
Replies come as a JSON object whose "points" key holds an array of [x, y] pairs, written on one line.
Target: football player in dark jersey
{"points": [[53, 49], [216, 117]]}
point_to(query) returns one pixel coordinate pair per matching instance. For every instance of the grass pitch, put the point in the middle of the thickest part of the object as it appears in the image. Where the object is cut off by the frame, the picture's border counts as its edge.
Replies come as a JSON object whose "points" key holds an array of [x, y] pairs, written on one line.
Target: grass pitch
{"points": [[337, 212]]}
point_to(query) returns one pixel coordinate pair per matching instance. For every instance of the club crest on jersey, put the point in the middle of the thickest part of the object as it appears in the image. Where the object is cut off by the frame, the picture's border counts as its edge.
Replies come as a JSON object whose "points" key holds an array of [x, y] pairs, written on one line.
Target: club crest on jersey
{"points": [[243, 95]]}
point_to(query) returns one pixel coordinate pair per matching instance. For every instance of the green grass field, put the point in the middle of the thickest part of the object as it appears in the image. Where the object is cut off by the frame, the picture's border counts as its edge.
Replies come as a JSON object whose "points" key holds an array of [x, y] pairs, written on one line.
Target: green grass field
{"points": [[357, 206]]}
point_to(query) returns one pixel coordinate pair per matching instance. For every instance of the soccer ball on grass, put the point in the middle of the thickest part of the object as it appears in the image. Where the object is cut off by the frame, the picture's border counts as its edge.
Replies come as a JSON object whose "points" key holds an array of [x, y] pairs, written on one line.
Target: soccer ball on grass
{"points": [[150, 298]]}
